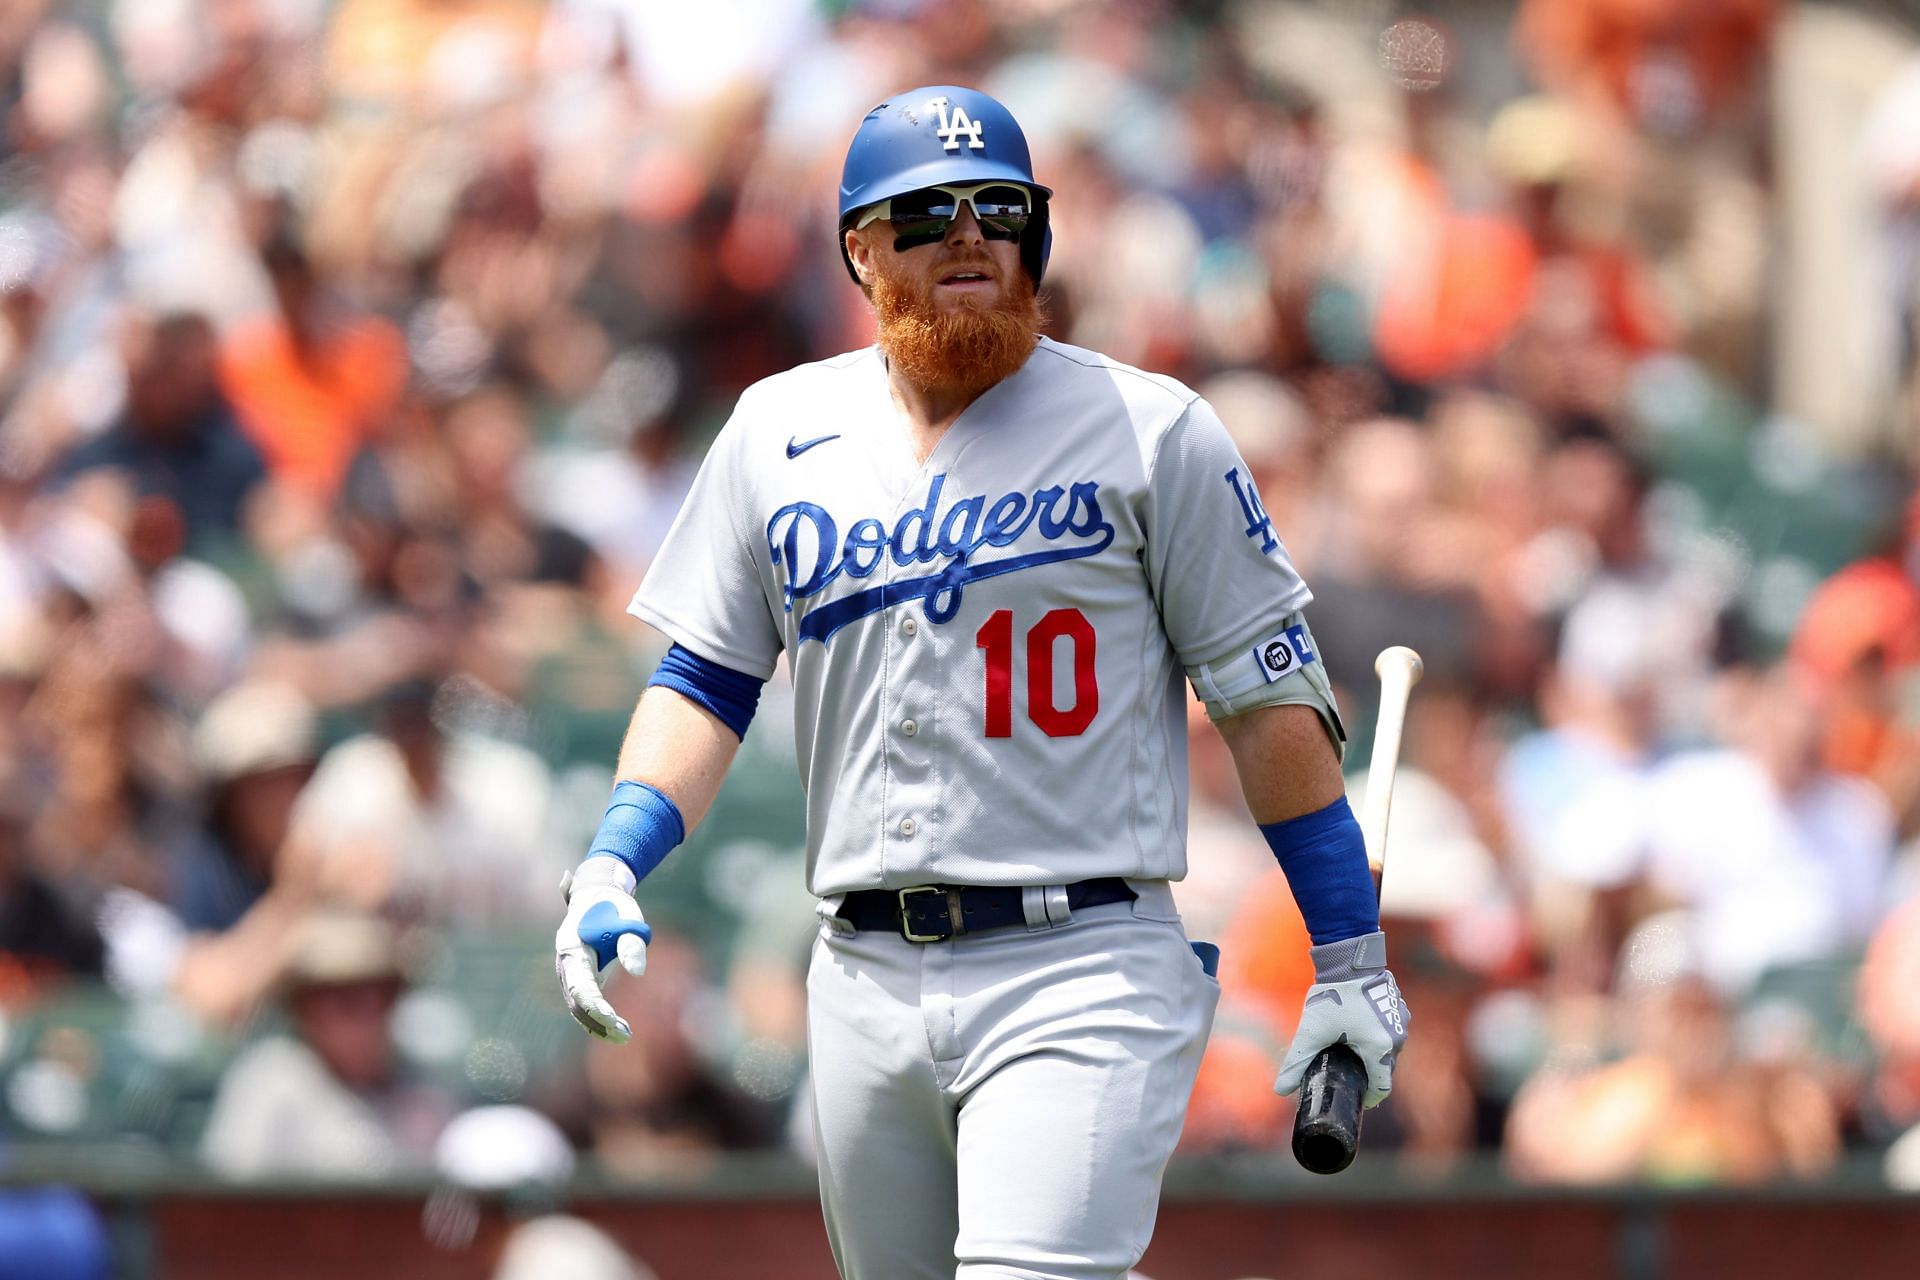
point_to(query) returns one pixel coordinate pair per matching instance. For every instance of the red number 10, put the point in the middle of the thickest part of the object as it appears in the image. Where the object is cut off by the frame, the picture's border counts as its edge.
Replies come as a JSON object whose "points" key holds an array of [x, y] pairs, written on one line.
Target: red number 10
{"points": [[996, 637]]}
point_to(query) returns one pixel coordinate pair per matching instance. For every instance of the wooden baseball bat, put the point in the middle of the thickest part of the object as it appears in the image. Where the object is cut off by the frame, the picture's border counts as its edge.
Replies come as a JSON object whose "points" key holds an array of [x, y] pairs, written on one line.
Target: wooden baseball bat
{"points": [[1326, 1128]]}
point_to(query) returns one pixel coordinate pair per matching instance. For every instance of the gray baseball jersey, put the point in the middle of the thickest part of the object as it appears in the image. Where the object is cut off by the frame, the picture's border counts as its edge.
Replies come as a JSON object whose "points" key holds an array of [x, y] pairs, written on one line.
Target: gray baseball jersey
{"points": [[986, 647]]}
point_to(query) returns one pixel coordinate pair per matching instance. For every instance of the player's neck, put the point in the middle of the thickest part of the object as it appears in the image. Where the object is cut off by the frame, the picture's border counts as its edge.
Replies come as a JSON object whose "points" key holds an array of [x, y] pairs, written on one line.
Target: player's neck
{"points": [[928, 412]]}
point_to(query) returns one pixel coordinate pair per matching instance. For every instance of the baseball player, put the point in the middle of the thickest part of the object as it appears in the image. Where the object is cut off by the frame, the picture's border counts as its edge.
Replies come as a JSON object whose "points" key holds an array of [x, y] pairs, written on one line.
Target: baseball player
{"points": [[989, 559]]}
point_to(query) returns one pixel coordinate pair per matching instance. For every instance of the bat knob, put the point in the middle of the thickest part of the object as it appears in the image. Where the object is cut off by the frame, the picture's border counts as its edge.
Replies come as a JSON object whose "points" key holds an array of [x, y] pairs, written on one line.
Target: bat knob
{"points": [[1326, 1129], [1399, 658]]}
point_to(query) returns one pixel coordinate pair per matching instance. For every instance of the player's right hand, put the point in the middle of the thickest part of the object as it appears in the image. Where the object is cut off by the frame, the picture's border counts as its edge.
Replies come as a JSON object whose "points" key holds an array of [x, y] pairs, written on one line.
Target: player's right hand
{"points": [[603, 923]]}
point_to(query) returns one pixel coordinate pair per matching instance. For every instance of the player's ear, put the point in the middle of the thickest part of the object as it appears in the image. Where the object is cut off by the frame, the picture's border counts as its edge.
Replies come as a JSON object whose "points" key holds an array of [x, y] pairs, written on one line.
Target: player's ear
{"points": [[860, 254]]}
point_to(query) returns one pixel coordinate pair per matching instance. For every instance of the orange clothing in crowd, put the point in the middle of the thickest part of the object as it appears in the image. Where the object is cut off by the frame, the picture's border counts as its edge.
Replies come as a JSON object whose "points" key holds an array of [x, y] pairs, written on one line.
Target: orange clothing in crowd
{"points": [[1264, 958], [1859, 640], [1607, 45], [1869, 607], [1265, 971], [310, 411], [1887, 1010], [1447, 316]]}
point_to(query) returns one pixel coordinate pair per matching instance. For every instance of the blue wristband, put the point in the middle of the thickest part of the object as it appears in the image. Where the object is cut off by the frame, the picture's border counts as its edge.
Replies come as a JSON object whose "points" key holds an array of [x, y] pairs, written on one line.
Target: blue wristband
{"points": [[1325, 859], [640, 828], [730, 695]]}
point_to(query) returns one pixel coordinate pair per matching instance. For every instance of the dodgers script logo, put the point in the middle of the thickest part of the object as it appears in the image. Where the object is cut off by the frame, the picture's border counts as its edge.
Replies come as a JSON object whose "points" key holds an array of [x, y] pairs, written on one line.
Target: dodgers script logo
{"points": [[805, 538]]}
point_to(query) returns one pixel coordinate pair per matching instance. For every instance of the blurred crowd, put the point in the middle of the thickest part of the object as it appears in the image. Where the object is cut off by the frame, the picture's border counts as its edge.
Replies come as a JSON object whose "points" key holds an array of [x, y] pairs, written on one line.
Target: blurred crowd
{"points": [[355, 356]]}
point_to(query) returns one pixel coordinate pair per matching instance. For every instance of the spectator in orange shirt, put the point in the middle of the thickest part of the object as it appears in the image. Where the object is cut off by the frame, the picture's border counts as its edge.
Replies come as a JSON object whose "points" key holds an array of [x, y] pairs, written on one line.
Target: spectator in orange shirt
{"points": [[312, 378], [1233, 1104], [1859, 639], [1671, 66]]}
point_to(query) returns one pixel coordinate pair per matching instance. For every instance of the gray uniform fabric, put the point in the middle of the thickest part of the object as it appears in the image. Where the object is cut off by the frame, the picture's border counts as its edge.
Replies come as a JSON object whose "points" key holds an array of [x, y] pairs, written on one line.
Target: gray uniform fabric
{"points": [[1003, 1104]]}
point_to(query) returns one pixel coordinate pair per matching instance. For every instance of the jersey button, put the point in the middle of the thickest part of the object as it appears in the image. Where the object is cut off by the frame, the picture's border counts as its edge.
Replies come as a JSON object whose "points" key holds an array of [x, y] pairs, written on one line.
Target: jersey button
{"points": [[908, 826], [909, 626], [909, 727]]}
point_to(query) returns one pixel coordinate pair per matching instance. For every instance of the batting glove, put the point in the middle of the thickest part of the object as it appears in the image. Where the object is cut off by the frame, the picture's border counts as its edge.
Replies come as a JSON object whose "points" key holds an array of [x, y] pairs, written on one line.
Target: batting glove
{"points": [[1354, 1001], [603, 923]]}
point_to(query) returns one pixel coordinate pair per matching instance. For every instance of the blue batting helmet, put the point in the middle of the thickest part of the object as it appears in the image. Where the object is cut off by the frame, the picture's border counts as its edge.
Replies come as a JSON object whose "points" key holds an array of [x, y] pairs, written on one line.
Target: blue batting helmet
{"points": [[942, 133]]}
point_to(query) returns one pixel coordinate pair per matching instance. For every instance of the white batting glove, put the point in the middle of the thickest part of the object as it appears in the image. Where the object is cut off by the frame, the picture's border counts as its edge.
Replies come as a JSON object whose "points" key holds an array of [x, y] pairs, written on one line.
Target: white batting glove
{"points": [[603, 923], [1354, 1001]]}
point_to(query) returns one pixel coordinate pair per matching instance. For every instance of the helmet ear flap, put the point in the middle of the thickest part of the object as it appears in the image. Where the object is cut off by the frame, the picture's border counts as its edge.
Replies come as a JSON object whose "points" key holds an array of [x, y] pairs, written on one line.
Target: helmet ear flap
{"points": [[1037, 244]]}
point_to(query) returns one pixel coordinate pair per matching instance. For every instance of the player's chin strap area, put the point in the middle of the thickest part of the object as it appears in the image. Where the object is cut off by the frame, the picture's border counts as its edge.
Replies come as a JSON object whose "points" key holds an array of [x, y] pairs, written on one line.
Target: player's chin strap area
{"points": [[937, 912]]}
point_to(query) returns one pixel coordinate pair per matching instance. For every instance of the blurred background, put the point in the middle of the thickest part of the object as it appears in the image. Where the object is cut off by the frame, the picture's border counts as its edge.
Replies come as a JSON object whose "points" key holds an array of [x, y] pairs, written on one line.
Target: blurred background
{"points": [[355, 356]]}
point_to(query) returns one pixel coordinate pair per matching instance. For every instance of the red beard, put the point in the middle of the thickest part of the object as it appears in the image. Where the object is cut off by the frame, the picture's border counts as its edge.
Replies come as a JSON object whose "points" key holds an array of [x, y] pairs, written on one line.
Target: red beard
{"points": [[965, 350]]}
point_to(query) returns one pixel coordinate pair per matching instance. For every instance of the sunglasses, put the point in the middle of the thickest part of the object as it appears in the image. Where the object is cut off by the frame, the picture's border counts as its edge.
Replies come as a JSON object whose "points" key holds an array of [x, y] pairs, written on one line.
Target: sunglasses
{"points": [[1002, 209]]}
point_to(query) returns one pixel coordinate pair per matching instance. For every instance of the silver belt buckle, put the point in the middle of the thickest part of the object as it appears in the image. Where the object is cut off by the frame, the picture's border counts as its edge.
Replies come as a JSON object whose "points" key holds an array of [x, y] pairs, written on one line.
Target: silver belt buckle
{"points": [[906, 917]]}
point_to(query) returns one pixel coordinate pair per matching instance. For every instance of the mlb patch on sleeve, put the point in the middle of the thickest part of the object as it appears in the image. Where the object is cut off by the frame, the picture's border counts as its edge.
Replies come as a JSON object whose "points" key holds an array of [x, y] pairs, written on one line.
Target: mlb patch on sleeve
{"points": [[1281, 653]]}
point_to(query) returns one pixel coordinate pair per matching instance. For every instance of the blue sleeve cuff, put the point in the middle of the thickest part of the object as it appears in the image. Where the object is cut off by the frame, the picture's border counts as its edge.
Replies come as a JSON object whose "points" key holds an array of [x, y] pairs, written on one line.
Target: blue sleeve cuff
{"points": [[641, 827], [730, 695], [1324, 857]]}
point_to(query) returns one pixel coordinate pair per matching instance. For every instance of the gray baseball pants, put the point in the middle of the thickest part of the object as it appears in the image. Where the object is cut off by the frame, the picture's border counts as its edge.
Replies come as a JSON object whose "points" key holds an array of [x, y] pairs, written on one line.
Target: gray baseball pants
{"points": [[1002, 1105]]}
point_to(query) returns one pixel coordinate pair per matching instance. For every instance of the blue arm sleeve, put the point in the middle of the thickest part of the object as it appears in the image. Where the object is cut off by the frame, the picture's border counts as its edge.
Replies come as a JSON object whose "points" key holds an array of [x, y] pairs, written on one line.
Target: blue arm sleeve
{"points": [[729, 694], [641, 827], [1325, 860]]}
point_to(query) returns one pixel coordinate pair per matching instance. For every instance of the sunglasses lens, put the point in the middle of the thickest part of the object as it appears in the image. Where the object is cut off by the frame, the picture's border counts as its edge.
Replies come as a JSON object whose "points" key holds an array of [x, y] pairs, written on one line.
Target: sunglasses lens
{"points": [[923, 211], [1002, 209], [922, 217]]}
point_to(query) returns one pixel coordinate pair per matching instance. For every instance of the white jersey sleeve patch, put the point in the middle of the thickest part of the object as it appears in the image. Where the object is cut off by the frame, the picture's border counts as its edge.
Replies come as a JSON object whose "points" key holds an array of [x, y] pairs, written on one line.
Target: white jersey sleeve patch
{"points": [[1283, 652]]}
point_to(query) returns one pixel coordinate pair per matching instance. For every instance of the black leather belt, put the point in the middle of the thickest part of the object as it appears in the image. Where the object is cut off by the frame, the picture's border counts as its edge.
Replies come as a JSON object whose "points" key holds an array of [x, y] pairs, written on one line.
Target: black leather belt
{"points": [[936, 912]]}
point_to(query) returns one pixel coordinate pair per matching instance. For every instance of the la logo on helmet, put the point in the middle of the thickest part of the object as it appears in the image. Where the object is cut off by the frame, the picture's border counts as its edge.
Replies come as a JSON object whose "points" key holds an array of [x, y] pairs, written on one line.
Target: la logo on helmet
{"points": [[956, 124]]}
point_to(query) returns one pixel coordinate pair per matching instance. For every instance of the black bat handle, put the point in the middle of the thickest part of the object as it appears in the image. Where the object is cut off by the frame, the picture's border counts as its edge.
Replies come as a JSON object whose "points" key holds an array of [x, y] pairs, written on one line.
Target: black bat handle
{"points": [[1326, 1128]]}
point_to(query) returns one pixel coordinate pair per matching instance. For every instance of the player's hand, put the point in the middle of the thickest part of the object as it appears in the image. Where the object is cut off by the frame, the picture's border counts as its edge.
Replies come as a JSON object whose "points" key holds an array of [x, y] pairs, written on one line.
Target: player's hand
{"points": [[1354, 1001], [603, 923]]}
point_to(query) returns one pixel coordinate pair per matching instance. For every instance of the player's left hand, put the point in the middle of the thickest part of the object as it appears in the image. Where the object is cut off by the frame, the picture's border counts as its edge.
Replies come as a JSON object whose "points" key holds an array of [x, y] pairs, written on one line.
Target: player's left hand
{"points": [[603, 923], [1354, 1001]]}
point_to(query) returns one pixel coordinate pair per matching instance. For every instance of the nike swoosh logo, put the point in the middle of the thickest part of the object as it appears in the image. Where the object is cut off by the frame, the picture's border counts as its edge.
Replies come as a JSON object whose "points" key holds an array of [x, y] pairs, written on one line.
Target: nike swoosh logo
{"points": [[797, 447]]}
